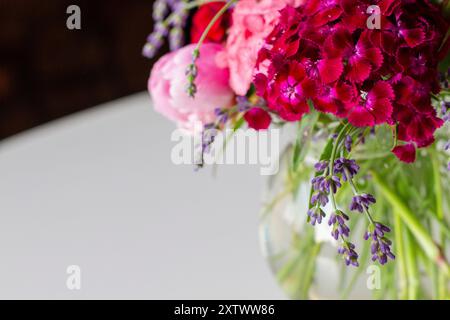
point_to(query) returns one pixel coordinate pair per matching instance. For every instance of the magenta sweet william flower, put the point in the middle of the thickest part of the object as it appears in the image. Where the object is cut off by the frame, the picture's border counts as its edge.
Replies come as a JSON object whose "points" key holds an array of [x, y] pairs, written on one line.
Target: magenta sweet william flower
{"points": [[257, 118], [288, 94], [323, 53]]}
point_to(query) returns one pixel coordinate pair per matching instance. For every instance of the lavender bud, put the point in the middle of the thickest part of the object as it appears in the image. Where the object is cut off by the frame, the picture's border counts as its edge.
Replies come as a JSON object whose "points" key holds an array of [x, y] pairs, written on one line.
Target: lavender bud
{"points": [[175, 38], [321, 166], [160, 10], [348, 143], [380, 246], [242, 103]]}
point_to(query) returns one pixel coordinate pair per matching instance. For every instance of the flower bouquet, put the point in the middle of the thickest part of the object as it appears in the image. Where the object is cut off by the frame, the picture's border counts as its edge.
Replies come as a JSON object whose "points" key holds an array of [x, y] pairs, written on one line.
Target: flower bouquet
{"points": [[365, 84]]}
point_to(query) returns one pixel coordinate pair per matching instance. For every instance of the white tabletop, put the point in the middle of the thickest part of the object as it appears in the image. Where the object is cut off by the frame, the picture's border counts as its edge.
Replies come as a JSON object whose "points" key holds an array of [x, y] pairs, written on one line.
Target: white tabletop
{"points": [[98, 189]]}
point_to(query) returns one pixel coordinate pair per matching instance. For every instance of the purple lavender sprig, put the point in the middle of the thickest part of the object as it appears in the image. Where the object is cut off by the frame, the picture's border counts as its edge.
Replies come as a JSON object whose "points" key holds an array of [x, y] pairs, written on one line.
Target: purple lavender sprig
{"points": [[348, 168], [243, 104], [315, 215], [380, 245], [339, 228], [362, 202], [165, 24], [348, 143], [347, 249], [191, 74], [178, 21], [325, 186], [445, 107]]}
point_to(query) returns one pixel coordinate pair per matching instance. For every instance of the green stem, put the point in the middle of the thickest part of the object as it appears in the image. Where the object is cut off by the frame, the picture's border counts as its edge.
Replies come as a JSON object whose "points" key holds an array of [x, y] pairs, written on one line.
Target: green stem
{"points": [[212, 22], [355, 192], [442, 282], [335, 147], [309, 271], [411, 266], [195, 4], [411, 221], [400, 252]]}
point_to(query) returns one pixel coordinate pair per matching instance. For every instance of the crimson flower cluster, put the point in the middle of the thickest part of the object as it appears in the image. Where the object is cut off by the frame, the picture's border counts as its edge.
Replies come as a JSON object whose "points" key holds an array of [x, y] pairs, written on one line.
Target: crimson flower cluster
{"points": [[324, 53]]}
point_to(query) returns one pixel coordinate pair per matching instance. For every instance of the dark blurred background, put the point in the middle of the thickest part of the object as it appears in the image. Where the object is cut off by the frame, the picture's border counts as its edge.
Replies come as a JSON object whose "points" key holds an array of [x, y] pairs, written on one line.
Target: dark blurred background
{"points": [[48, 71]]}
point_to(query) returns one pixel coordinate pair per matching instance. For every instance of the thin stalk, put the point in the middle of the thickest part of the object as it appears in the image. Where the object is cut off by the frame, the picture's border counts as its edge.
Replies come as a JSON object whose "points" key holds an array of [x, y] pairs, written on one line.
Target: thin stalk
{"points": [[411, 266], [336, 145], [400, 252], [442, 278], [212, 22], [194, 4], [355, 192], [308, 277]]}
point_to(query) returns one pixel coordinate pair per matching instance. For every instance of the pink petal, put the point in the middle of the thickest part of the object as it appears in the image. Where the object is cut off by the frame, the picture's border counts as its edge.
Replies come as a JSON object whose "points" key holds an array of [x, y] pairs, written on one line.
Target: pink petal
{"points": [[258, 119], [382, 90], [325, 104], [374, 56], [330, 69], [413, 37], [309, 87], [361, 117], [358, 69], [406, 153], [381, 110]]}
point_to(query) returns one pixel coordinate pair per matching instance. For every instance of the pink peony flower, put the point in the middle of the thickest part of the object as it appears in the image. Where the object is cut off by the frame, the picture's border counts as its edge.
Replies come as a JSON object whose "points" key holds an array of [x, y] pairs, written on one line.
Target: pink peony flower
{"points": [[167, 84], [253, 21]]}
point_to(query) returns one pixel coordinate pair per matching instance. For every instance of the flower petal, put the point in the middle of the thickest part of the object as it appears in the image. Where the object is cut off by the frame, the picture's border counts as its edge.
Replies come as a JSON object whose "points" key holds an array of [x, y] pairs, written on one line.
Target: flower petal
{"points": [[330, 69], [257, 118], [406, 153], [358, 69], [413, 37]]}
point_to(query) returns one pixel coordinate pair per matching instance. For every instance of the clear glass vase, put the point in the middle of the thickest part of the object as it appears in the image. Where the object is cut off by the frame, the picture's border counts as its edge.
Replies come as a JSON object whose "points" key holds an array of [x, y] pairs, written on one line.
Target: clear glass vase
{"points": [[304, 258]]}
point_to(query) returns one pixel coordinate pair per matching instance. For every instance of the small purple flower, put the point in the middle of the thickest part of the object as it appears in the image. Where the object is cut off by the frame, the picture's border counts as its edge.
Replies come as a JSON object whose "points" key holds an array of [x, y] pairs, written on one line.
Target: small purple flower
{"points": [[362, 138], [223, 119], [362, 202], [176, 21], [445, 106], [154, 43], [347, 249], [242, 103], [380, 246], [319, 198], [326, 184], [321, 166], [337, 220], [208, 136], [176, 38], [316, 215], [160, 10], [317, 183], [333, 183], [447, 146], [348, 143], [219, 111], [346, 166]]}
